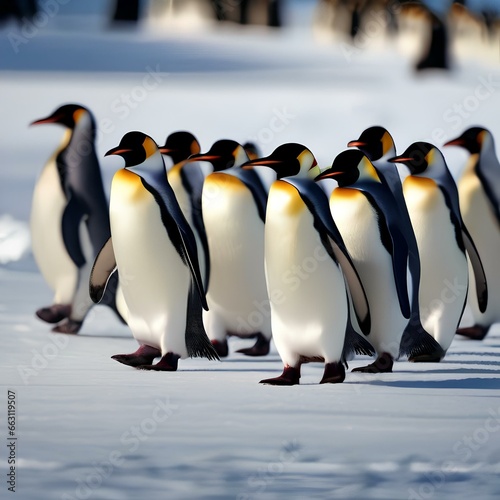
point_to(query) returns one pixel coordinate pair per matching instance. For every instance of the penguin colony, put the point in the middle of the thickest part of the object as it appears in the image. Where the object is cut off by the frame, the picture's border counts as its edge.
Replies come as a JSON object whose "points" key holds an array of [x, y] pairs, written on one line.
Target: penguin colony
{"points": [[193, 247]]}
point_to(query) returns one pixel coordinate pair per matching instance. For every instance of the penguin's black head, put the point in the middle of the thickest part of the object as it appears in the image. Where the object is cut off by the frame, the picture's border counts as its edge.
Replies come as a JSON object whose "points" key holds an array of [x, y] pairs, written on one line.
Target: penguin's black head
{"points": [[348, 167], [135, 148], [375, 142], [223, 154], [417, 157], [252, 150], [67, 115], [180, 146], [287, 160], [472, 139]]}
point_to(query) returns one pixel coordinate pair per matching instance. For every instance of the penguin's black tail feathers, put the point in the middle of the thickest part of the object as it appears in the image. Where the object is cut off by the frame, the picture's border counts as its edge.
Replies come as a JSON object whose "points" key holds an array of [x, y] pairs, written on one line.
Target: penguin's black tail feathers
{"points": [[354, 343], [197, 343]]}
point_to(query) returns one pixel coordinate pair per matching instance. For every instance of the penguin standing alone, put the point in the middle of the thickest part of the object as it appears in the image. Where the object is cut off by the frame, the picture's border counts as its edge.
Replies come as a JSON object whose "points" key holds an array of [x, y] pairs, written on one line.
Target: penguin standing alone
{"points": [[432, 199], [479, 195], [69, 220], [368, 220], [153, 245]]}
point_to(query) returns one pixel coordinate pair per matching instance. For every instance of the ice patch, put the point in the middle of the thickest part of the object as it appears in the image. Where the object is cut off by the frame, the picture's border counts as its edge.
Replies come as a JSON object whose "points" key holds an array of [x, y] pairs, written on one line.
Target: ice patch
{"points": [[14, 239]]}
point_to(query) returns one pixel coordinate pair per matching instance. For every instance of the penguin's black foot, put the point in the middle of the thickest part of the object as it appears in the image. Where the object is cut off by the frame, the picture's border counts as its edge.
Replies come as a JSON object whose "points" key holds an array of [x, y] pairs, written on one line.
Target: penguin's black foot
{"points": [[432, 357], [290, 376], [221, 348], [143, 356], [383, 364], [476, 332], [260, 348], [54, 313], [167, 363], [334, 373], [69, 326]]}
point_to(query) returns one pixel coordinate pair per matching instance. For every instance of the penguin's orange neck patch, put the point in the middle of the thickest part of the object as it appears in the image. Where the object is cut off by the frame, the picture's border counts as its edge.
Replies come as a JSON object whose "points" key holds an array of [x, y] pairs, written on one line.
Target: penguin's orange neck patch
{"points": [[346, 193], [129, 184], [226, 181], [286, 198], [414, 181]]}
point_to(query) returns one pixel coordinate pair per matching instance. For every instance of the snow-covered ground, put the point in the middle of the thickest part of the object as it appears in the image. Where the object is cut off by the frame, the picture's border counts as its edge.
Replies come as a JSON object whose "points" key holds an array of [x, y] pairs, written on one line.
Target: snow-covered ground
{"points": [[89, 427]]}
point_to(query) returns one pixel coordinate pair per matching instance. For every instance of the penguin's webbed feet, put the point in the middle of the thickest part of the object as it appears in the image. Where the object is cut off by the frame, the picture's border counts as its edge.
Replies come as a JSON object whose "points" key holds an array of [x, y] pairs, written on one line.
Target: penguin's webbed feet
{"points": [[69, 326], [221, 347], [167, 363], [383, 364], [290, 376], [476, 332], [54, 313], [334, 373], [145, 355], [260, 348]]}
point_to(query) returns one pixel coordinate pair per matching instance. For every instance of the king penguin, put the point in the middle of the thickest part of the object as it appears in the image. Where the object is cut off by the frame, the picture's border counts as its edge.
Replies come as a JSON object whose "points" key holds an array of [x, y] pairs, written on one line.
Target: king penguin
{"points": [[154, 248], [367, 217], [69, 220], [178, 147], [305, 262], [233, 208], [432, 199], [479, 195], [378, 145], [187, 178]]}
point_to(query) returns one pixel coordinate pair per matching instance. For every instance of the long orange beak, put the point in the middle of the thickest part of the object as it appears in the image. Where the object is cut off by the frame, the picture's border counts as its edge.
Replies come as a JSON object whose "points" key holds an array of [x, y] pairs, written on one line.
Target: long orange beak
{"points": [[356, 144], [455, 142], [49, 119]]}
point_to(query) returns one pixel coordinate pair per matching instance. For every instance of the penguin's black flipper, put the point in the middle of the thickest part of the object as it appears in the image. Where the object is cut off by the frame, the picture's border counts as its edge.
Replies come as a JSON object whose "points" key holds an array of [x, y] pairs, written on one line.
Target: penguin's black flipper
{"points": [[104, 267], [71, 219], [109, 297], [317, 203], [178, 229], [197, 343], [477, 267]]}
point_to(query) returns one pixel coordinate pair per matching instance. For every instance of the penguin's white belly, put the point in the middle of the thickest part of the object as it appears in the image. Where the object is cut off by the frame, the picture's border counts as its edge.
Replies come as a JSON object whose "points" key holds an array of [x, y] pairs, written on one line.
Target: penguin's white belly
{"points": [[237, 292], [154, 281], [444, 275], [485, 231], [48, 247], [307, 289], [358, 224]]}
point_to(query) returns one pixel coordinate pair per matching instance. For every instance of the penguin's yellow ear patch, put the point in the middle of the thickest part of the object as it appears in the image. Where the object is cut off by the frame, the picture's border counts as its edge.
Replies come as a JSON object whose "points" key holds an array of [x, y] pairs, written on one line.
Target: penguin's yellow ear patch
{"points": [[386, 143], [370, 169], [306, 159], [195, 148], [149, 146], [78, 114], [429, 157]]}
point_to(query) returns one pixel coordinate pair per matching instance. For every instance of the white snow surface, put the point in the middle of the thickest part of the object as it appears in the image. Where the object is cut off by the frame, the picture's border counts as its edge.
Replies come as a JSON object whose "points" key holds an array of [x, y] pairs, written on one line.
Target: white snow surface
{"points": [[89, 427]]}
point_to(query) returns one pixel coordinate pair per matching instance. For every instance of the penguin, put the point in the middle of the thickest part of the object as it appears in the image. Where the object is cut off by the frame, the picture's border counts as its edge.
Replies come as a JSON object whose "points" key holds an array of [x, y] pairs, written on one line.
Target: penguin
{"points": [[187, 178], [378, 145], [179, 146], [432, 199], [69, 220], [154, 247], [306, 262], [367, 217], [479, 196], [252, 150], [233, 208]]}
